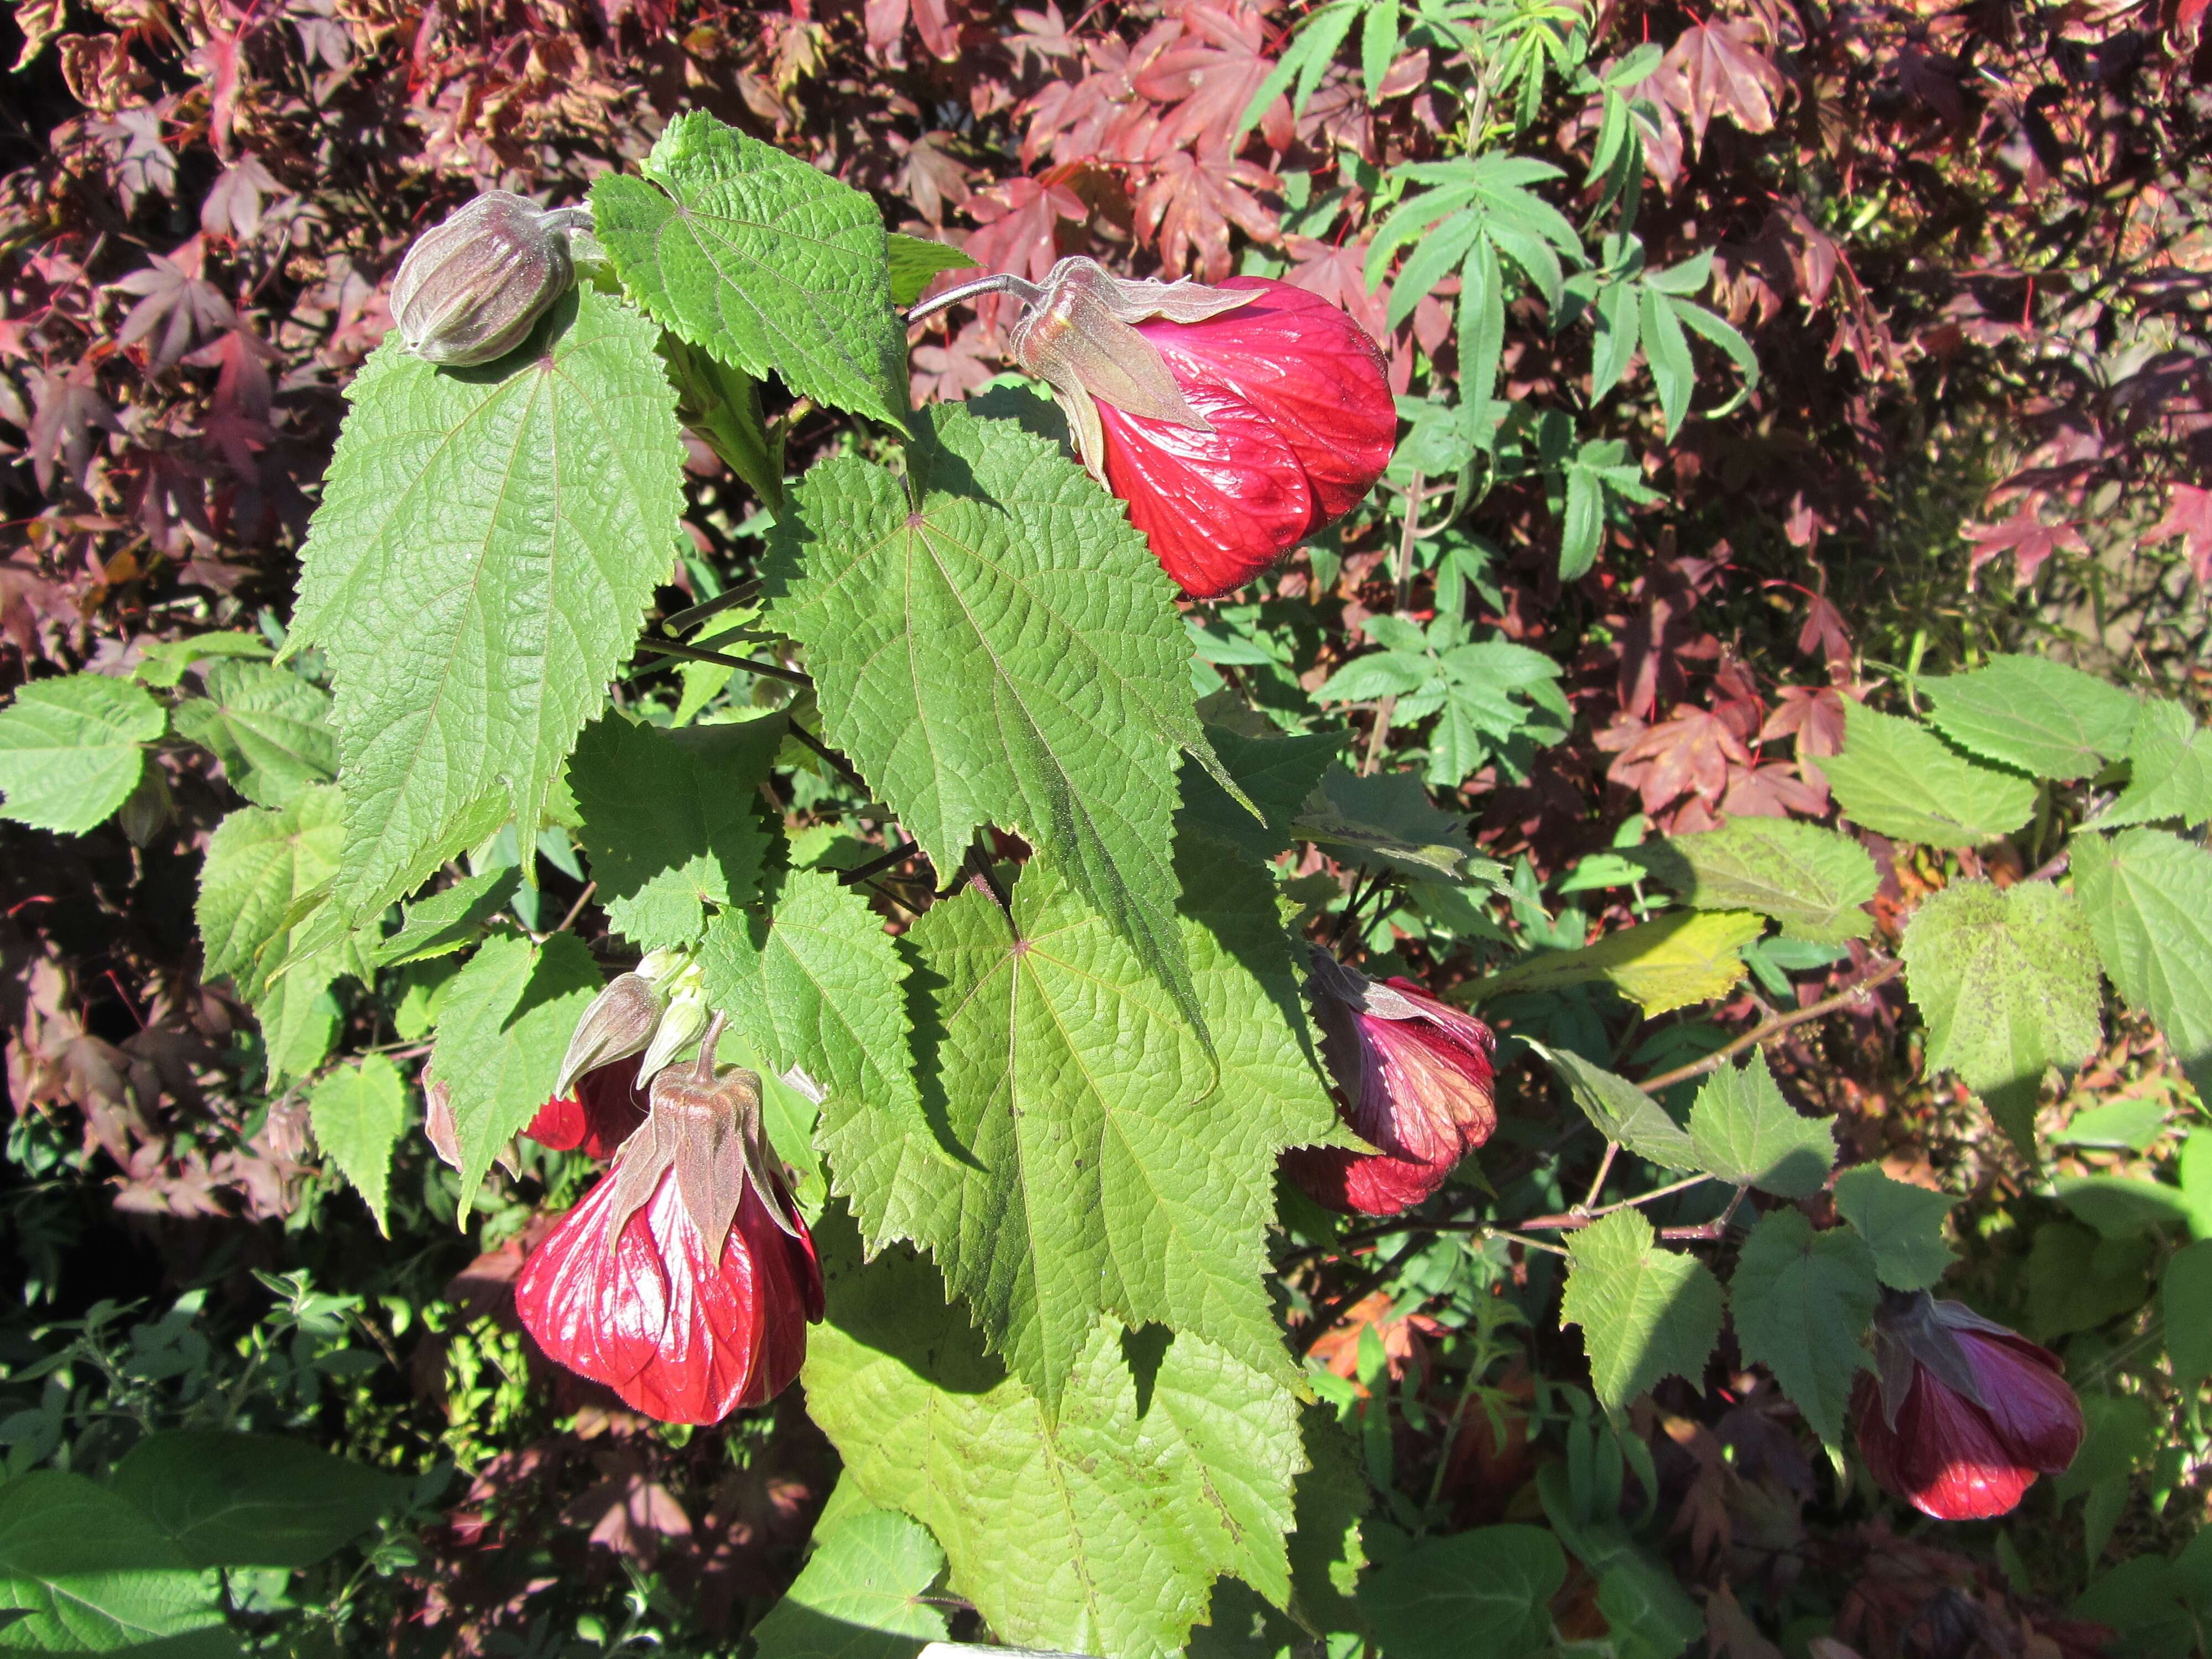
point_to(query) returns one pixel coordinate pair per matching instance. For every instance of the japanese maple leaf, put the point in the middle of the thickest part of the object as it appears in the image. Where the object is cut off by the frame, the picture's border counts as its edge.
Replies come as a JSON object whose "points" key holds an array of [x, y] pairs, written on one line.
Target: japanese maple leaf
{"points": [[2188, 515], [1020, 219], [886, 26], [1813, 714], [1192, 200], [1210, 76], [1771, 791], [232, 207], [1718, 69], [949, 370], [138, 162], [66, 410], [1689, 751], [1337, 274], [238, 418], [1040, 37], [934, 180], [178, 307], [2025, 536], [1077, 120], [1824, 634]]}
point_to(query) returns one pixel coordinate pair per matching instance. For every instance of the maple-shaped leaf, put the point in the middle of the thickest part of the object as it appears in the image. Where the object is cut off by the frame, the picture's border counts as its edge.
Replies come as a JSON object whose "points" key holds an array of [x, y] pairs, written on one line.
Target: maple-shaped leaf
{"points": [[933, 179], [1720, 70], [1812, 715], [1338, 272], [992, 643], [66, 410], [1192, 200], [947, 372], [885, 21], [2188, 515], [1021, 221], [1210, 76], [232, 207], [177, 309], [1105, 1164], [1078, 120], [1691, 752], [2025, 536], [139, 163]]}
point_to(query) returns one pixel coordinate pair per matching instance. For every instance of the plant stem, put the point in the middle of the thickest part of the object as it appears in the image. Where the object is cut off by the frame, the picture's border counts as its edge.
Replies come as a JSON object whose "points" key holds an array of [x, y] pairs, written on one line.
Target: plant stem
{"points": [[1403, 571], [1781, 1023], [875, 867], [809, 740], [775, 671], [743, 593]]}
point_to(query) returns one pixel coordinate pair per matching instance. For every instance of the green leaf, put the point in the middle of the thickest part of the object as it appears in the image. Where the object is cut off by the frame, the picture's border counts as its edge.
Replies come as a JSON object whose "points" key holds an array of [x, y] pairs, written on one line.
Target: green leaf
{"points": [[1387, 819], [1487, 1592], [1668, 351], [1617, 335], [1002, 650], [1326, 1549], [298, 1018], [1646, 1312], [71, 749], [357, 1113], [2041, 716], [1896, 778], [486, 545], [1663, 964], [502, 1028], [2132, 1125], [1105, 1164], [1097, 1528], [447, 921], [672, 821], [254, 1500], [1619, 1110], [1814, 881], [914, 261], [2077, 1281], [1902, 1224], [260, 866], [270, 728], [1801, 1301], [817, 983], [2007, 980], [1276, 773], [84, 1569], [859, 1596], [2169, 770], [164, 661], [770, 264], [1744, 1132], [2185, 1298], [2119, 1206], [2148, 898]]}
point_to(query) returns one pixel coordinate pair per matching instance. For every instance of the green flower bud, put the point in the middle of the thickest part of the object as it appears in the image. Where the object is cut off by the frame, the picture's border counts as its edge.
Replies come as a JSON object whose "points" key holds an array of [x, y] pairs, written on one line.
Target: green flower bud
{"points": [[469, 290]]}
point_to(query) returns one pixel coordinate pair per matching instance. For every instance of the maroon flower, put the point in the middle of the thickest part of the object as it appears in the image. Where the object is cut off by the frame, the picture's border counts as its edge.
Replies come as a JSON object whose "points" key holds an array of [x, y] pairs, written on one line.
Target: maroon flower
{"points": [[1413, 1080], [685, 1279], [604, 1110], [1965, 1414]]}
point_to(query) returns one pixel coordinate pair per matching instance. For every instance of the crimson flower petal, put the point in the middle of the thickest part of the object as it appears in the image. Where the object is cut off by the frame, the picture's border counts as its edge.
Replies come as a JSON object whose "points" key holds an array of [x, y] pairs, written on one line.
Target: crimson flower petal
{"points": [[605, 1111]]}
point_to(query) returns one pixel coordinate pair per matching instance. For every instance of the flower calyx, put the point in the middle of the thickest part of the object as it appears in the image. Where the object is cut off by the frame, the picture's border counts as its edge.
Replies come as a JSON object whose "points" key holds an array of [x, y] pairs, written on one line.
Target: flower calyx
{"points": [[655, 1009]]}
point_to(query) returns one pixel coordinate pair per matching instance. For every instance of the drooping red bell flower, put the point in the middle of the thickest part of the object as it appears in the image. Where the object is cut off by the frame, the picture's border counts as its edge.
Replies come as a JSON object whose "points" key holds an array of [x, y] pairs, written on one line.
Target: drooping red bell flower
{"points": [[1236, 422], [1965, 1414], [1413, 1080], [603, 1111], [686, 1279]]}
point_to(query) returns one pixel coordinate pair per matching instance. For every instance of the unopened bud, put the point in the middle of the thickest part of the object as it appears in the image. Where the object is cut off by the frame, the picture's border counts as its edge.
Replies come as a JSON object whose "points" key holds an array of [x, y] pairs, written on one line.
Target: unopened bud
{"points": [[470, 289], [681, 1022], [619, 1024]]}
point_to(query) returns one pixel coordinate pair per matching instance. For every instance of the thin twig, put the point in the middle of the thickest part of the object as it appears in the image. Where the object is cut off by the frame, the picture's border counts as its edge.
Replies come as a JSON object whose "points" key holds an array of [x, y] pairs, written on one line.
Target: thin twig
{"points": [[1604, 1169], [1781, 1023], [875, 866], [577, 908], [1403, 571], [1711, 1229], [1352, 903], [1567, 1220], [775, 671], [743, 593], [979, 861]]}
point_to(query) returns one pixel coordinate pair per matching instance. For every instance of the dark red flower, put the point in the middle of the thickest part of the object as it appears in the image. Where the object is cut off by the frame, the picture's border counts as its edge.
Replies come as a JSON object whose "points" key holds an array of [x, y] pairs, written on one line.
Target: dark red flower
{"points": [[1236, 422], [603, 1111], [685, 1279], [1413, 1080], [1965, 1414]]}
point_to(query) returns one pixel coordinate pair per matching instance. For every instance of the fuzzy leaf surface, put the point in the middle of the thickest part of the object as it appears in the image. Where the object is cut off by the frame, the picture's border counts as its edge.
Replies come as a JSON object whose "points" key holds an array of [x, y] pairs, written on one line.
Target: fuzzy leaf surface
{"points": [[1814, 881], [1665, 963], [84, 1569], [477, 570], [1902, 1224], [2169, 770], [1484, 1591], [259, 865], [1645, 1311], [859, 1596], [2148, 896], [2048, 719], [1802, 1300], [270, 728], [357, 1113], [1747, 1134], [71, 749], [1620, 1111], [1897, 778]]}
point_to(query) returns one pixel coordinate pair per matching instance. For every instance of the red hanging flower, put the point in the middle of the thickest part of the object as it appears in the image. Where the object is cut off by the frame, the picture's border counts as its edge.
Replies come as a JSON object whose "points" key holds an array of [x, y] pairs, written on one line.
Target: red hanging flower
{"points": [[1236, 422], [685, 1279], [1965, 1414], [601, 1112], [1414, 1077]]}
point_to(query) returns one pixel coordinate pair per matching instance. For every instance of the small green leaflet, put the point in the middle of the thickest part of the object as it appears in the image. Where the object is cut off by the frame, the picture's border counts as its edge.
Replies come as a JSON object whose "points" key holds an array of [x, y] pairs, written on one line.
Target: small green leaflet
{"points": [[449, 920], [672, 821], [2048, 719], [2148, 896], [269, 727], [502, 1027], [859, 1596], [1485, 1592], [1001, 650], [2169, 770], [259, 865], [817, 983], [1099, 1529], [770, 264], [914, 261], [1646, 1312], [1814, 881], [1897, 779], [1105, 1164], [2007, 980], [165, 660], [1620, 1111], [84, 1569], [1747, 1134], [1470, 686], [1388, 819], [1801, 1301], [1588, 481], [477, 570], [71, 749], [254, 1500], [357, 1113], [1902, 1224], [1665, 963]]}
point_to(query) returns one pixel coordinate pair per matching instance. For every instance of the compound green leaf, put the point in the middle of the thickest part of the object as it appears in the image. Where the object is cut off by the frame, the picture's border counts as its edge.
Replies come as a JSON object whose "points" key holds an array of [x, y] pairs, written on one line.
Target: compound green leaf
{"points": [[254, 1500], [1105, 1164], [1902, 1224], [2048, 719], [1620, 1111], [2148, 896], [357, 1113], [2169, 770], [270, 728], [1897, 778], [1814, 881], [2007, 980], [999, 650], [915, 260], [1745, 1132], [770, 264], [1665, 963], [1487, 1591], [672, 821], [1645, 1311], [71, 749], [1097, 1528], [1801, 1302], [477, 570], [260, 867], [84, 1569], [859, 1596], [503, 1025]]}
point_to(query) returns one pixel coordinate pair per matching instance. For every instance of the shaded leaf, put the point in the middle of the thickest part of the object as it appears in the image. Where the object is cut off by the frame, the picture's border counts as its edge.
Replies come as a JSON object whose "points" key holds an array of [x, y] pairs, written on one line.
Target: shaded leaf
{"points": [[1902, 1224], [1802, 1302], [1814, 881], [2048, 719]]}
